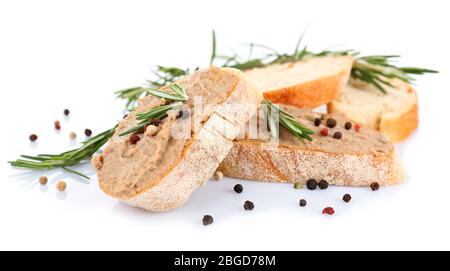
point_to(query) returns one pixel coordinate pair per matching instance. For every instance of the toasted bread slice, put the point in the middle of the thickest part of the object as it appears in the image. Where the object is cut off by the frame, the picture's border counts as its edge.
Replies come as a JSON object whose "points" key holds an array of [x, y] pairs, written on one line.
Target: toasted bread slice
{"points": [[160, 171], [307, 83], [394, 114], [359, 158]]}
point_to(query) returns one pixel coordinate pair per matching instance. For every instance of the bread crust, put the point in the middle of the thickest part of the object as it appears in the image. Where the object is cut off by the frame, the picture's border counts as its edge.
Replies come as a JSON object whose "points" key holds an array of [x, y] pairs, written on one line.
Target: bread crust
{"points": [[310, 94], [397, 127], [202, 154], [288, 165], [402, 126]]}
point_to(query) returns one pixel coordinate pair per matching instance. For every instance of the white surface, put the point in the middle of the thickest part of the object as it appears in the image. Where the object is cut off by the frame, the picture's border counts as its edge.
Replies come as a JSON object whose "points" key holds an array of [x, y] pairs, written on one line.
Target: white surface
{"points": [[57, 54]]}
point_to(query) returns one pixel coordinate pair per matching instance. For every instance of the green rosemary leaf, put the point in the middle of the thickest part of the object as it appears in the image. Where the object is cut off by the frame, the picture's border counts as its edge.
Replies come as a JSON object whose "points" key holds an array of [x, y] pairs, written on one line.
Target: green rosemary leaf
{"points": [[272, 120], [132, 95], [213, 51], [373, 69], [412, 70], [164, 75], [247, 65], [154, 112], [66, 159], [286, 120], [159, 112], [297, 46], [165, 95], [75, 172]]}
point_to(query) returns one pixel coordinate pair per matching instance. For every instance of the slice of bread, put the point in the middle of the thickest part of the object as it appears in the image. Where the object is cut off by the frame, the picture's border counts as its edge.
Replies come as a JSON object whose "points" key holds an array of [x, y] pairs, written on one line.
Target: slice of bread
{"points": [[394, 114], [359, 158], [160, 171], [307, 83]]}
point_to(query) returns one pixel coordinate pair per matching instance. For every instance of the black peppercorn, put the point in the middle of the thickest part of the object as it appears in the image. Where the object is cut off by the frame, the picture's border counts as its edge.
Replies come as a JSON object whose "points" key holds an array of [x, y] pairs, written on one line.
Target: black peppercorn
{"points": [[33, 137], [66, 112], [238, 188], [207, 220], [88, 132], [248, 205], [337, 135], [323, 184], [347, 198], [348, 125], [375, 186], [331, 123], [317, 122], [311, 184], [180, 114], [302, 203]]}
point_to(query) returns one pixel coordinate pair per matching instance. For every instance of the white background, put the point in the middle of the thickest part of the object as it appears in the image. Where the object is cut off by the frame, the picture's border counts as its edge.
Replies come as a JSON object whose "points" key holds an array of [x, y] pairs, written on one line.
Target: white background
{"points": [[58, 54]]}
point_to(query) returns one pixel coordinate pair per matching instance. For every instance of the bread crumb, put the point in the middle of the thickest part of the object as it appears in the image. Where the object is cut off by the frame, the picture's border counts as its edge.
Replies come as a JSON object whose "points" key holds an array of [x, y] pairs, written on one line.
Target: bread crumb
{"points": [[61, 186], [43, 180], [218, 175]]}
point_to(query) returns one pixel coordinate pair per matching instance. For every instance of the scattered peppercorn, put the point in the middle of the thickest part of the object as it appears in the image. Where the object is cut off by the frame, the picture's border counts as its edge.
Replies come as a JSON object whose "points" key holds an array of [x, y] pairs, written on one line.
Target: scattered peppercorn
{"points": [[66, 112], [72, 135], [218, 175], [323, 184], [384, 139], [134, 138], [33, 137], [248, 205], [311, 184], [207, 220], [347, 198], [57, 125], [61, 186], [302, 203], [348, 125], [328, 211], [317, 122], [180, 114], [125, 116], [337, 135], [357, 127], [331, 123], [238, 188], [155, 122], [298, 185], [87, 132], [43, 180], [151, 130], [324, 132], [374, 186]]}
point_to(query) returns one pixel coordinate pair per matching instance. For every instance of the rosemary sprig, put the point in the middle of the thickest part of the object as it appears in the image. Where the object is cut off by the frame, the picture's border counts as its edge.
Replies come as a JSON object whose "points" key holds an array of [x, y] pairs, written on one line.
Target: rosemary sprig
{"points": [[66, 159], [276, 115], [164, 75], [92, 145], [375, 69], [177, 97], [144, 118]]}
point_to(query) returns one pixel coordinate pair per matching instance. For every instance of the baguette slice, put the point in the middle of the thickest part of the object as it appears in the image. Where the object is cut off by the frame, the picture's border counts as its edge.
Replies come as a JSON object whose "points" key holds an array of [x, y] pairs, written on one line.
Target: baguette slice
{"points": [[161, 170], [357, 159], [307, 84], [394, 114]]}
